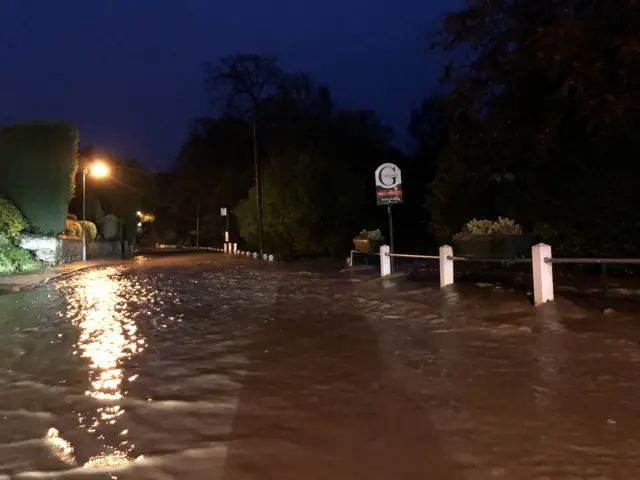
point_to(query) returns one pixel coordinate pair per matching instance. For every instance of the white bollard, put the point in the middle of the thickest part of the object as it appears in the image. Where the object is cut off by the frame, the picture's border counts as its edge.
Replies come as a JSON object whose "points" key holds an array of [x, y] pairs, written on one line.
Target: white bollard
{"points": [[446, 266], [235, 248], [255, 256], [265, 256], [542, 274], [385, 261], [271, 258]]}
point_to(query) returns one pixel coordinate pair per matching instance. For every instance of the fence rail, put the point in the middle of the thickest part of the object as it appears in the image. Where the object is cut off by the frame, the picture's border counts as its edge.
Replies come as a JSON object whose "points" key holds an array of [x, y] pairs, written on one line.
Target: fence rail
{"points": [[490, 259], [600, 261], [541, 265], [407, 255]]}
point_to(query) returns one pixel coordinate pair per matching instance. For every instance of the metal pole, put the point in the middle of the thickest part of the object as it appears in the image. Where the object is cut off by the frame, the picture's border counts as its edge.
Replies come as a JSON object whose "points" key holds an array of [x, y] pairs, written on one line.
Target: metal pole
{"points": [[197, 223], [390, 234], [227, 234], [258, 187], [84, 214]]}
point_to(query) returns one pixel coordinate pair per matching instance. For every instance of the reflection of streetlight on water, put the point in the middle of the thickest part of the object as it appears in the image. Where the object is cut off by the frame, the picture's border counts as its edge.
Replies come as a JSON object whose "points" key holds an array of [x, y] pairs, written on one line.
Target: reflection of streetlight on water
{"points": [[108, 336], [99, 170]]}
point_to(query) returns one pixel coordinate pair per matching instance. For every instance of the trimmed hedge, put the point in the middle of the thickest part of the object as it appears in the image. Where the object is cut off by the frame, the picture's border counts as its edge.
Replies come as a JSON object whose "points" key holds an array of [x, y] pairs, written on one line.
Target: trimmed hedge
{"points": [[92, 230], [73, 229], [37, 170]]}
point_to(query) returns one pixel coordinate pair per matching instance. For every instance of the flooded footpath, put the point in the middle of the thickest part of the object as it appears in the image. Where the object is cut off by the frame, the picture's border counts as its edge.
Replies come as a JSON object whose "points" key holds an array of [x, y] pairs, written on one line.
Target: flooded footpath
{"points": [[203, 366]]}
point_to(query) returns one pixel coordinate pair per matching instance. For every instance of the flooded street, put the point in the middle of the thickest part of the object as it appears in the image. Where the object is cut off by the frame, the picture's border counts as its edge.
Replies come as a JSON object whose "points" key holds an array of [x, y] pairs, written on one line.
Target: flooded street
{"points": [[204, 366]]}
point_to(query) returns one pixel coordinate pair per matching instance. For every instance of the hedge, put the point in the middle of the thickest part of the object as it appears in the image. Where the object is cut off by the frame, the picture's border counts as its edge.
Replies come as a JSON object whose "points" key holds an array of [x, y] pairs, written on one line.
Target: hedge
{"points": [[37, 170], [73, 228], [92, 230]]}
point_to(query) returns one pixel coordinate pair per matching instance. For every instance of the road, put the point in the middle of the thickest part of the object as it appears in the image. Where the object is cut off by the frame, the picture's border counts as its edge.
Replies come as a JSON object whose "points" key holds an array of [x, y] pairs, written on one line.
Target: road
{"points": [[203, 366]]}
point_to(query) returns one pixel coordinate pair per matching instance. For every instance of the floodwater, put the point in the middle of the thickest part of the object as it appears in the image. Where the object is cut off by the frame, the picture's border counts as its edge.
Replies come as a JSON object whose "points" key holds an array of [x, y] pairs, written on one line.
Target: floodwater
{"points": [[207, 367]]}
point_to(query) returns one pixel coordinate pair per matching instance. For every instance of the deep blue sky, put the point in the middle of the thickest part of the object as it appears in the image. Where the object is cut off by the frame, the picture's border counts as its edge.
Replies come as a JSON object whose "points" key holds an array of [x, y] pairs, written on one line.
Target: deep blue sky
{"points": [[128, 72]]}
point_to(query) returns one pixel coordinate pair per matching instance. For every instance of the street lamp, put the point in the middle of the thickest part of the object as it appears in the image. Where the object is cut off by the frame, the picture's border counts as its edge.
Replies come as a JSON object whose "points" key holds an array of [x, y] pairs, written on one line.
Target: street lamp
{"points": [[98, 170]]}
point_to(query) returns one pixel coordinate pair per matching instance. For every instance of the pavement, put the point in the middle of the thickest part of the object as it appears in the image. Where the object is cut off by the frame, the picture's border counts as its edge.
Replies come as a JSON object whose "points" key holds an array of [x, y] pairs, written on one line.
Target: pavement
{"points": [[15, 283]]}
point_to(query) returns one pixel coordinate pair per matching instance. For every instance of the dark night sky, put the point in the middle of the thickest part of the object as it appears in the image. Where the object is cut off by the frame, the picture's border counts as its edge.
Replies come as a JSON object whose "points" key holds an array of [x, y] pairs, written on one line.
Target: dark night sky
{"points": [[127, 72]]}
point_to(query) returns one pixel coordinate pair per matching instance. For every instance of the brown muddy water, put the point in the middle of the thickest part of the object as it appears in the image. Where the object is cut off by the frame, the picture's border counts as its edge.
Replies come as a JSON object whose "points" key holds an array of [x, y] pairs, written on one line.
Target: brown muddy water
{"points": [[207, 367]]}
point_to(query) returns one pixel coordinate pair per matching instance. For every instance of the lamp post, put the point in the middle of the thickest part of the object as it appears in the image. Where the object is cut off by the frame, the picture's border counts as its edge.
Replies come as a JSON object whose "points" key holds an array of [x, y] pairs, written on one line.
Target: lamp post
{"points": [[97, 169]]}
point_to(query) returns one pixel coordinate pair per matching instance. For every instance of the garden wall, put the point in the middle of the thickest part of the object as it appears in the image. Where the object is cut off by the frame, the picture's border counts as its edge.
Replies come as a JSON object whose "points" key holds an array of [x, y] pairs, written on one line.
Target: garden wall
{"points": [[61, 250]]}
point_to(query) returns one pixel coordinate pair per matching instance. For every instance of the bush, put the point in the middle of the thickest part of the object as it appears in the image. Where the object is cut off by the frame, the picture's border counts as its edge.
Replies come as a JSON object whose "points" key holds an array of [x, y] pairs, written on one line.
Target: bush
{"points": [[92, 230], [12, 222], [73, 229], [37, 171], [14, 259], [71, 216], [503, 226]]}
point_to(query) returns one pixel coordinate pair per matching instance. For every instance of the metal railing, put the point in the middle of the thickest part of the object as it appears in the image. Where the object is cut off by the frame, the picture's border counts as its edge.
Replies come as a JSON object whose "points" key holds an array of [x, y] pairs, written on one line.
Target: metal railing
{"points": [[506, 261], [407, 255], [601, 261]]}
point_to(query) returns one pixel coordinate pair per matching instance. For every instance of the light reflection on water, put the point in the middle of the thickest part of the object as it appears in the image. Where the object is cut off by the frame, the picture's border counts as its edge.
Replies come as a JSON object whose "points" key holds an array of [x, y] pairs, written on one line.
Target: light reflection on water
{"points": [[108, 336]]}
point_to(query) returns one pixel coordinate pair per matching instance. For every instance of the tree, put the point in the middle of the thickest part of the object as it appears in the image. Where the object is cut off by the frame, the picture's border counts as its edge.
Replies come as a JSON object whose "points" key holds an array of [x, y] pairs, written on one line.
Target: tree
{"points": [[246, 79], [311, 206], [540, 100]]}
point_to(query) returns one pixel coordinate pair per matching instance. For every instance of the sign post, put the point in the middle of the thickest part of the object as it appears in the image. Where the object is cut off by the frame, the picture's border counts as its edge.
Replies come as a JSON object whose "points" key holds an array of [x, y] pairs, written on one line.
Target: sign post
{"points": [[223, 213], [389, 193]]}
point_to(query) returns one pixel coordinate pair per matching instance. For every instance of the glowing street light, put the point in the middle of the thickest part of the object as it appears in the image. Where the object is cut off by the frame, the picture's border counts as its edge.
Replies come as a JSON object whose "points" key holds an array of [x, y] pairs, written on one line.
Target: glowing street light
{"points": [[99, 170]]}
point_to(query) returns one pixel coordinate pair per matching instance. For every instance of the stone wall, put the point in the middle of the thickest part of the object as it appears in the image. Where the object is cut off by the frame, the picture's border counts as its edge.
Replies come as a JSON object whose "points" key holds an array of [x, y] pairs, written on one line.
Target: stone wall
{"points": [[71, 250], [58, 251], [46, 249], [105, 249]]}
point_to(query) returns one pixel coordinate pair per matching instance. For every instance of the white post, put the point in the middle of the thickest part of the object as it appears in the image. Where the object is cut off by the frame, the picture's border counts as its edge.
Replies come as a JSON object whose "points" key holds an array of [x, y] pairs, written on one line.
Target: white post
{"points": [[235, 248], [271, 258], [446, 266], [542, 274], [255, 255], [385, 261]]}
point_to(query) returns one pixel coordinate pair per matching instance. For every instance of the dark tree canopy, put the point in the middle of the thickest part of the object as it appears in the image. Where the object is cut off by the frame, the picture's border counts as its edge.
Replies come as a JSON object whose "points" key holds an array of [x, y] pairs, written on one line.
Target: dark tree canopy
{"points": [[544, 120], [318, 162]]}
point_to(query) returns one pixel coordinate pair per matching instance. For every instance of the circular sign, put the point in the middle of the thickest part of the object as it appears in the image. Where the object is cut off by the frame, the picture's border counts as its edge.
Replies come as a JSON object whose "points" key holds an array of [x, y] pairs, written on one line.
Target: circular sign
{"points": [[388, 176]]}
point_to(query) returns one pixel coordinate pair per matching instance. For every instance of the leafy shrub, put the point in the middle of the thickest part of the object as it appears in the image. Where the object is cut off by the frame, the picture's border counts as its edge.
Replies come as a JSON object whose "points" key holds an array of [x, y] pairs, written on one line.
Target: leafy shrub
{"points": [[73, 229], [506, 226], [502, 226], [92, 230], [12, 222], [71, 216], [14, 259]]}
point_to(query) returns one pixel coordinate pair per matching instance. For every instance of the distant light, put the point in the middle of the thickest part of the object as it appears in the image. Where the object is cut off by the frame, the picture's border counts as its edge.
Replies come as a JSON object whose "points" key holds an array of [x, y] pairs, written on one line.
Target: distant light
{"points": [[99, 169], [140, 224], [138, 213]]}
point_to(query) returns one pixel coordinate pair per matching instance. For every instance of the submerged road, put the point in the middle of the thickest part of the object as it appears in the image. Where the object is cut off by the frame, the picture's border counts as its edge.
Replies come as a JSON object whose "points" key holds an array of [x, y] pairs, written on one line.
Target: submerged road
{"points": [[203, 366]]}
